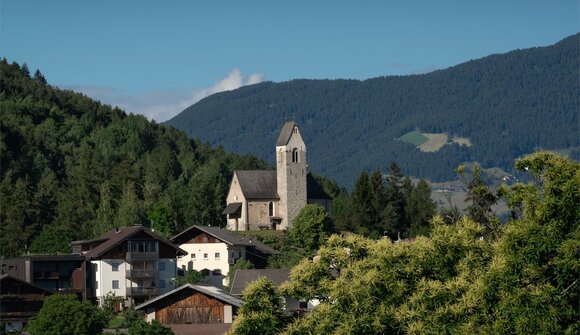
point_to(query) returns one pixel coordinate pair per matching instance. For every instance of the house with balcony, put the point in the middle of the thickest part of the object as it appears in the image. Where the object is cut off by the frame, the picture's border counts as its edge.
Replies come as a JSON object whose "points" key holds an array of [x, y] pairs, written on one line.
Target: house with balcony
{"points": [[130, 262], [70, 274], [212, 251]]}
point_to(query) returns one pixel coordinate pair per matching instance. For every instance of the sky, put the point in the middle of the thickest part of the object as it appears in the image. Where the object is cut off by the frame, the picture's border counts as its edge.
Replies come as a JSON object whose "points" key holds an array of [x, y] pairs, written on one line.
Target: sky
{"points": [[156, 58]]}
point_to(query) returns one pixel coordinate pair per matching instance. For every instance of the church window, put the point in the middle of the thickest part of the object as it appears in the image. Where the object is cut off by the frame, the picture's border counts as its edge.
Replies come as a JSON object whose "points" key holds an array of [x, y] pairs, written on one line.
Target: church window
{"points": [[271, 209], [295, 155]]}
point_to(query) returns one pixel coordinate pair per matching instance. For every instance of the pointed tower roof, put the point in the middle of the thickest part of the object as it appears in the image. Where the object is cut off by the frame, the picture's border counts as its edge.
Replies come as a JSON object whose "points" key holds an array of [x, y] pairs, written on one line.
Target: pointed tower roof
{"points": [[286, 133]]}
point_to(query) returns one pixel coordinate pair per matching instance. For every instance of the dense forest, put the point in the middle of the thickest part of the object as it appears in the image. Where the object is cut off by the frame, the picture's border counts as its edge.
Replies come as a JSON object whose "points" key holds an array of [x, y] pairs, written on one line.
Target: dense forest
{"points": [[73, 168], [508, 105]]}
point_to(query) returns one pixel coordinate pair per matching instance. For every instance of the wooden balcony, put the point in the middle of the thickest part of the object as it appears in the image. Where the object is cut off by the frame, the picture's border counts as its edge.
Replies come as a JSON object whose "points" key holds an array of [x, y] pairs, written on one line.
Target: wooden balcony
{"points": [[141, 274], [142, 291], [141, 256]]}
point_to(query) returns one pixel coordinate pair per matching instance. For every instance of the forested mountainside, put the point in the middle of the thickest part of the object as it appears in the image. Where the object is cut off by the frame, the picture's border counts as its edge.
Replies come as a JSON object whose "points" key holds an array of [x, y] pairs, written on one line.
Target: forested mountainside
{"points": [[507, 105], [72, 168]]}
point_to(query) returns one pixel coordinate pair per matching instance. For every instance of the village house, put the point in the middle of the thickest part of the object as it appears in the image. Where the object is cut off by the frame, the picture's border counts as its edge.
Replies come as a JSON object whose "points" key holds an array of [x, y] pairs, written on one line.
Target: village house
{"points": [[19, 302], [130, 262], [272, 199], [54, 273], [242, 278], [212, 251]]}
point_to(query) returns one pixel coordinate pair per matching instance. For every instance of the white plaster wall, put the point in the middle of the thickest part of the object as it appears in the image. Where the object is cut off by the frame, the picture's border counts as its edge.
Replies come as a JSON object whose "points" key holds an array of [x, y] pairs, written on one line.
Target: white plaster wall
{"points": [[199, 263], [228, 314], [235, 195], [105, 276]]}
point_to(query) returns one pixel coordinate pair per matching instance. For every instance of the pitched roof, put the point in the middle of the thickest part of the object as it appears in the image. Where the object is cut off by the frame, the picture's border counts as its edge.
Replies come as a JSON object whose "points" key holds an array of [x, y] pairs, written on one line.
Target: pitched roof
{"points": [[6, 277], [227, 237], [118, 235], [256, 184], [208, 290], [285, 133], [217, 232], [243, 277], [232, 207]]}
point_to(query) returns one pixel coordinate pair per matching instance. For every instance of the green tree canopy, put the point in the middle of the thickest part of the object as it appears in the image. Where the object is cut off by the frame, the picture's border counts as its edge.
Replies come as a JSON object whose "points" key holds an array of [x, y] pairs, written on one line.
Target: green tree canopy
{"points": [[262, 312], [66, 315], [458, 279]]}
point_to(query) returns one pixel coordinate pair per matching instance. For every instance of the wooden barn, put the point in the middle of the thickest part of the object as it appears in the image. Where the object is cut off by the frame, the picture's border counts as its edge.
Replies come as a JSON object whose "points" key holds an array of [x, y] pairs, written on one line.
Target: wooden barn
{"points": [[192, 304]]}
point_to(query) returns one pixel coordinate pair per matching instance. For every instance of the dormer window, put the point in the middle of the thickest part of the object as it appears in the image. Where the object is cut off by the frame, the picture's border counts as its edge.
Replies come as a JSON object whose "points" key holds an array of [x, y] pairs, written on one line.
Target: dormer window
{"points": [[295, 155]]}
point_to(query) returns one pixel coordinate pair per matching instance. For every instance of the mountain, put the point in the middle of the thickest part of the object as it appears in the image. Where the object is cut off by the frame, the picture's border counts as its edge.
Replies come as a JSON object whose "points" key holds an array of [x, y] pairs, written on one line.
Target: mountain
{"points": [[73, 168], [503, 106]]}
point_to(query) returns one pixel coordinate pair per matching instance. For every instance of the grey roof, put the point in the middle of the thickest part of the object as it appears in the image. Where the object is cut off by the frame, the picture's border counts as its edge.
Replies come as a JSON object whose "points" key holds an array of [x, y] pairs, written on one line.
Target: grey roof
{"points": [[243, 277], [257, 184], [208, 290], [285, 133], [232, 207]]}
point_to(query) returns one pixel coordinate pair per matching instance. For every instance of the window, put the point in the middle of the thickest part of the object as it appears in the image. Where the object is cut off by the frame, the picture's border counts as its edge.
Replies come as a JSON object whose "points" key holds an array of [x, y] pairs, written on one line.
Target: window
{"points": [[205, 256], [217, 255], [193, 256], [271, 209], [96, 267], [161, 266], [96, 285], [205, 272], [115, 267], [143, 246], [217, 272], [115, 284], [295, 155], [161, 283]]}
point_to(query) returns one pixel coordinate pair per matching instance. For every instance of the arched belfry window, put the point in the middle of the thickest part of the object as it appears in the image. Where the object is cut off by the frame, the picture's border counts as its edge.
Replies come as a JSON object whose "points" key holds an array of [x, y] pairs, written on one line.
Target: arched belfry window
{"points": [[295, 155], [271, 209]]}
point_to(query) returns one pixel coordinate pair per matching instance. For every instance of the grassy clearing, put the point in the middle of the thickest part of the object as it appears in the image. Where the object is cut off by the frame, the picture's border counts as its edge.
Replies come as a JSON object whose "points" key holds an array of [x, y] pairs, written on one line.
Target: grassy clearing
{"points": [[461, 141], [414, 137], [435, 142]]}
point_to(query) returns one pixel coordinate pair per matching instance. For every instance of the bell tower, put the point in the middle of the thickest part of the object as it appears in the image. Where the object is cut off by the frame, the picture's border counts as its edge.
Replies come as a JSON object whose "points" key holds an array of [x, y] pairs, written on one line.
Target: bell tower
{"points": [[291, 171]]}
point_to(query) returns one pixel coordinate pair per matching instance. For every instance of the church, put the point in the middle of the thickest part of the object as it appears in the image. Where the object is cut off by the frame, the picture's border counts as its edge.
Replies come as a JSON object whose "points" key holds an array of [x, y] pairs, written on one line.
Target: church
{"points": [[272, 199]]}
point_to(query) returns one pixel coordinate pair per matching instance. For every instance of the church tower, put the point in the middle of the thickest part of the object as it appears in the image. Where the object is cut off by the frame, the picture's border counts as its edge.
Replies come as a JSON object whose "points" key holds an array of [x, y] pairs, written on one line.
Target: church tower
{"points": [[291, 171]]}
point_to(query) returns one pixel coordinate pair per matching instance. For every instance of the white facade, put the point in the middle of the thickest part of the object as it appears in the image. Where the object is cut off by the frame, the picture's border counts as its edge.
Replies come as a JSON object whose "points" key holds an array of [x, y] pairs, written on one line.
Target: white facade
{"points": [[111, 277], [215, 258]]}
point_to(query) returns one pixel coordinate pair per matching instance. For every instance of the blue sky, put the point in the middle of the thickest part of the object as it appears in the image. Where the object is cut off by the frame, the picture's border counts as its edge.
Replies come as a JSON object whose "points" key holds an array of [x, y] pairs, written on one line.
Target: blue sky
{"points": [[158, 57]]}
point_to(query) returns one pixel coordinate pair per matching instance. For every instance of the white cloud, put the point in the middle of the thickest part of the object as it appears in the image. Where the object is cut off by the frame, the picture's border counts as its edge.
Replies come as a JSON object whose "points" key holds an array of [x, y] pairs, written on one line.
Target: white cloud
{"points": [[163, 105]]}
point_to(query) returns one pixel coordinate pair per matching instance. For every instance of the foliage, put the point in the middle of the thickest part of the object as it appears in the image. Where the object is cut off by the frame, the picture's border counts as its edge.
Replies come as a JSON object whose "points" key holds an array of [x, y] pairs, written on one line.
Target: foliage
{"points": [[191, 277], [482, 199], [110, 303], [141, 327], [162, 219], [66, 315], [310, 228], [455, 280], [262, 311], [240, 264], [74, 168], [388, 205], [508, 105]]}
